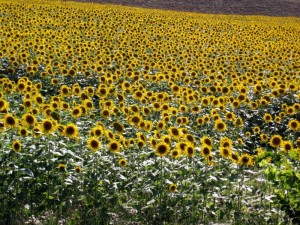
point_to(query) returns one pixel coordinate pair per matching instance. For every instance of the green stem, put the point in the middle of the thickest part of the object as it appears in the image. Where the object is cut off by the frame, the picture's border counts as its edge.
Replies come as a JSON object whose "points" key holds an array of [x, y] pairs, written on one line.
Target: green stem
{"points": [[161, 191]]}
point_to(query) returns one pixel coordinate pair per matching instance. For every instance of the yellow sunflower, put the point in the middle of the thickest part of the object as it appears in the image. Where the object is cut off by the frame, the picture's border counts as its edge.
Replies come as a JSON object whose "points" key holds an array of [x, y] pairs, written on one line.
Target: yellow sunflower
{"points": [[162, 149], [93, 144]]}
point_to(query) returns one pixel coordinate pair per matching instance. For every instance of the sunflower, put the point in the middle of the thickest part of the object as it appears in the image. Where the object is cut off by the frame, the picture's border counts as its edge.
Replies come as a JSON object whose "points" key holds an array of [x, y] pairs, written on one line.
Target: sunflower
{"points": [[160, 125], [229, 116], [36, 132], [122, 162], [61, 167], [118, 127], [267, 117], [97, 131], [238, 122], [205, 140], [248, 134], [287, 146], [189, 151], [172, 187], [256, 129], [290, 110], [294, 125], [225, 152], [3, 104], [16, 146], [275, 141], [76, 112], [71, 130], [77, 169], [114, 146], [205, 151], [23, 132], [199, 121], [10, 121], [162, 149], [220, 126], [47, 126], [65, 90], [277, 119], [234, 157], [246, 160], [166, 139], [263, 137], [175, 153], [93, 144], [174, 133], [153, 141], [135, 119]]}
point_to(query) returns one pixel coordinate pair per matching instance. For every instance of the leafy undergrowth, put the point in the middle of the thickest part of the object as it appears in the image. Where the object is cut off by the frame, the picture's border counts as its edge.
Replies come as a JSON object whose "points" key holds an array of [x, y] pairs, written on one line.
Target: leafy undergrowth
{"points": [[116, 115]]}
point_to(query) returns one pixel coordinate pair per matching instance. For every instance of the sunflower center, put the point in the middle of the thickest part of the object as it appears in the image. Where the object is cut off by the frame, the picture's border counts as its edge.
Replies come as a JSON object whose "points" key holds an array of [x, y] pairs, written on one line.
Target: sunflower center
{"points": [[162, 149], [70, 130]]}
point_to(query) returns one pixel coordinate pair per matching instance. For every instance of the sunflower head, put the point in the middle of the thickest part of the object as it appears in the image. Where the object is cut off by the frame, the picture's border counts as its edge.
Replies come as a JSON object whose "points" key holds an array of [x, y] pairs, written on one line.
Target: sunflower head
{"points": [[93, 144], [205, 151], [172, 187], [61, 167], [189, 151], [70, 130], [246, 160], [276, 141], [122, 162], [114, 146], [162, 149], [220, 126], [287, 146], [225, 152], [16, 146], [78, 169], [294, 125], [10, 121], [175, 154]]}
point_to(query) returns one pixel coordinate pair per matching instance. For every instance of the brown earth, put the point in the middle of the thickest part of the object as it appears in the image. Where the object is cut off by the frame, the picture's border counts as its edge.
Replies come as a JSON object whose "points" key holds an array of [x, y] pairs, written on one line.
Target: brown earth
{"points": [[243, 7]]}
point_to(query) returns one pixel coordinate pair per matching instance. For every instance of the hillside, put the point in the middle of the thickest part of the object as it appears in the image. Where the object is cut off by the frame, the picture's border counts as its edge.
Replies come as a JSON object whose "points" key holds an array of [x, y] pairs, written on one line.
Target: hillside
{"points": [[245, 7]]}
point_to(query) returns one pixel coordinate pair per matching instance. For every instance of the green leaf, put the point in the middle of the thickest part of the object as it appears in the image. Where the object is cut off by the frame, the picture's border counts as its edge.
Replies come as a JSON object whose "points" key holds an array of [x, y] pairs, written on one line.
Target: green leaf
{"points": [[27, 172]]}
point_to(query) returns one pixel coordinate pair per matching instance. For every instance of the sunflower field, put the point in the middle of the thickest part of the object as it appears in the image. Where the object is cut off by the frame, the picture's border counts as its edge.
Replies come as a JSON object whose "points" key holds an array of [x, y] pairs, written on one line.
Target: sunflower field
{"points": [[121, 115]]}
